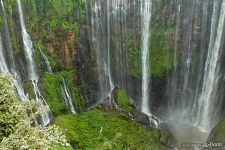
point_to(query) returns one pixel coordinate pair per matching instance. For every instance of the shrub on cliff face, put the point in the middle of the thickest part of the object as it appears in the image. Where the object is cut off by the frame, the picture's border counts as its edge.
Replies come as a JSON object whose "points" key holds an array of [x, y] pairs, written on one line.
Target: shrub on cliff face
{"points": [[17, 120]]}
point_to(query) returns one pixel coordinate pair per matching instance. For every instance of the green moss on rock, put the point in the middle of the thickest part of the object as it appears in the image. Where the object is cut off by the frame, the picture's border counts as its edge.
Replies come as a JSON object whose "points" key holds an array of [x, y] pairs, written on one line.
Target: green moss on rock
{"points": [[123, 100], [218, 133], [9, 6], [1, 20]]}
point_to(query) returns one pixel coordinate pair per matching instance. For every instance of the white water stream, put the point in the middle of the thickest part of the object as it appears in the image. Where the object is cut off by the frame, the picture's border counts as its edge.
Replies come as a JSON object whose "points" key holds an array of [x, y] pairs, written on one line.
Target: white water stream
{"points": [[31, 66]]}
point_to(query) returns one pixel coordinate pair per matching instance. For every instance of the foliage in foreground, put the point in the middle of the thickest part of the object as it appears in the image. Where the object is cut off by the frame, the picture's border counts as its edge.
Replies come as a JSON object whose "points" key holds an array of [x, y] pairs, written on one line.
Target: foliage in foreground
{"points": [[17, 123], [100, 130]]}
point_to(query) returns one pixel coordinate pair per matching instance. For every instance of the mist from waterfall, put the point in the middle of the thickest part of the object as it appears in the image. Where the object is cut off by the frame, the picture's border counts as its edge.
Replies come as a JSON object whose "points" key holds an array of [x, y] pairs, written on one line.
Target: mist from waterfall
{"points": [[193, 99]]}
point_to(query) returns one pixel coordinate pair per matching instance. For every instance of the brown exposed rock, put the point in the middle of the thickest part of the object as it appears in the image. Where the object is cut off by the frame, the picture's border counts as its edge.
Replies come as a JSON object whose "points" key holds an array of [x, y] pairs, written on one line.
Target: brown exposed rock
{"points": [[63, 49]]}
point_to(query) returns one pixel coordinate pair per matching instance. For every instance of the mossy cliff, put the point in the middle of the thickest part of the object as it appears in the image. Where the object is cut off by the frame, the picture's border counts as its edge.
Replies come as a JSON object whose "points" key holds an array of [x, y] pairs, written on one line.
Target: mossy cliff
{"points": [[54, 26]]}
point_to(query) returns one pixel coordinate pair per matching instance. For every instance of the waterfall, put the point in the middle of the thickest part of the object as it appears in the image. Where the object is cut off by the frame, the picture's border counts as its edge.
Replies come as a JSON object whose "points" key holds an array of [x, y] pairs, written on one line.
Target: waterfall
{"points": [[183, 83], [15, 77], [101, 43], [10, 68], [28, 47], [48, 65], [194, 96], [192, 82], [46, 117], [210, 82], [31, 66], [67, 96], [146, 21], [110, 34], [108, 66], [8, 39]]}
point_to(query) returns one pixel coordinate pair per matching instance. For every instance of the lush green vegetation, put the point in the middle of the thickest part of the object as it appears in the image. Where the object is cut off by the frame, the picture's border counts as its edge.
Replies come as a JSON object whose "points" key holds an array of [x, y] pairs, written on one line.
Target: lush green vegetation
{"points": [[52, 83], [59, 14], [54, 26], [96, 129], [123, 100], [160, 52], [1, 19], [134, 53], [9, 5]]}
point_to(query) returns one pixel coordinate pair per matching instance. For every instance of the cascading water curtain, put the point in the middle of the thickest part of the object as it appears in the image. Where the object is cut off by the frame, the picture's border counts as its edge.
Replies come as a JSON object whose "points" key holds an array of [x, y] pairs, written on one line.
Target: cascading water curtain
{"points": [[193, 96]]}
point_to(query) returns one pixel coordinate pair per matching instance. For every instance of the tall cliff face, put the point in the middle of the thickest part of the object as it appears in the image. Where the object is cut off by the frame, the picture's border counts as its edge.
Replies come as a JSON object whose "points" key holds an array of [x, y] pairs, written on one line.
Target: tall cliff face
{"points": [[102, 41]]}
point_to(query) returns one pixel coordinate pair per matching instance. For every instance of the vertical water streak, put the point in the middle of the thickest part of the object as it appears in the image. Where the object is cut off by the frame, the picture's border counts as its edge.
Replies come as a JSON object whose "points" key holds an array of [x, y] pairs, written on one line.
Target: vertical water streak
{"points": [[203, 49], [108, 46], [28, 46], [67, 96], [3, 64], [8, 40], [211, 73], [146, 21], [31, 66], [48, 65], [46, 117]]}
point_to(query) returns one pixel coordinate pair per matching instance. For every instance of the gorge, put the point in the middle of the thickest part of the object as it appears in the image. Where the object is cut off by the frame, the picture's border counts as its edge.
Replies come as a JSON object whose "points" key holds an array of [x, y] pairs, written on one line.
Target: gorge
{"points": [[132, 74]]}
